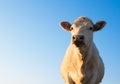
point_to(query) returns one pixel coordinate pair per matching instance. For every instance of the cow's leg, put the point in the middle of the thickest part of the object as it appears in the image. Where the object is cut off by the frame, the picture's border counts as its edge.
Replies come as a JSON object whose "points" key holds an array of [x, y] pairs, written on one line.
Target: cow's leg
{"points": [[69, 80], [90, 79]]}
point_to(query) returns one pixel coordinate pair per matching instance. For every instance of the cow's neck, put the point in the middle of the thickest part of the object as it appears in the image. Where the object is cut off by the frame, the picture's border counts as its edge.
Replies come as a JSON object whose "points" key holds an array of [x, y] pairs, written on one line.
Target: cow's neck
{"points": [[84, 50]]}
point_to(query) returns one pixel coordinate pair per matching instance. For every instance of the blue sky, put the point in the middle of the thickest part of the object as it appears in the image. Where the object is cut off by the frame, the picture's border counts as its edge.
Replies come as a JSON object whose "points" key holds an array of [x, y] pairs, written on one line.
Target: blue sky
{"points": [[32, 44]]}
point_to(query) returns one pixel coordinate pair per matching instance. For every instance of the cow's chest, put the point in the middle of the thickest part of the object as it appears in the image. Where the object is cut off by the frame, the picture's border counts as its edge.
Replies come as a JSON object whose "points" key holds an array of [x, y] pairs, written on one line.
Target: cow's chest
{"points": [[75, 66]]}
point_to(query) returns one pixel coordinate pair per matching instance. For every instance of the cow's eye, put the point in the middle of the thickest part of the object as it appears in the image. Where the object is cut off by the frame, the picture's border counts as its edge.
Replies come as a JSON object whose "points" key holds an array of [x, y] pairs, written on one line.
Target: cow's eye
{"points": [[91, 28], [71, 28]]}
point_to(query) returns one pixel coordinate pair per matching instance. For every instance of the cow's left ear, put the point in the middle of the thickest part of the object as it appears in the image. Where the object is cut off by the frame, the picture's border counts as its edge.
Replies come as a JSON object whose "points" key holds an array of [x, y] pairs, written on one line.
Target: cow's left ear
{"points": [[65, 25], [99, 25]]}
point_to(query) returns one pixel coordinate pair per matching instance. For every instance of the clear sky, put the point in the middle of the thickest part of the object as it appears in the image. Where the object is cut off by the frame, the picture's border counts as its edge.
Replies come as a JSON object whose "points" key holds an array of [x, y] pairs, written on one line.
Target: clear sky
{"points": [[32, 44]]}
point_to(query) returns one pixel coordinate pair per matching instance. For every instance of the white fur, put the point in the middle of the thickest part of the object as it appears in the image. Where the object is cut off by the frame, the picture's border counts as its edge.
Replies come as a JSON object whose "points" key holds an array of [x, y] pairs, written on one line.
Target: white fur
{"points": [[82, 65]]}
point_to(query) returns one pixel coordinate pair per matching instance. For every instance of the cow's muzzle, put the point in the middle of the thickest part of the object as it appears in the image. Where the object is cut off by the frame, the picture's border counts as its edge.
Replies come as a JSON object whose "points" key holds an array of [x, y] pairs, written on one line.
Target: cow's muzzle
{"points": [[78, 40]]}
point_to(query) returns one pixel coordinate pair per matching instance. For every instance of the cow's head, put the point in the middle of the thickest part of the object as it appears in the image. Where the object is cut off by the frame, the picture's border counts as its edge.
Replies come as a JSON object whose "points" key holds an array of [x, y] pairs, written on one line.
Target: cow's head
{"points": [[82, 30]]}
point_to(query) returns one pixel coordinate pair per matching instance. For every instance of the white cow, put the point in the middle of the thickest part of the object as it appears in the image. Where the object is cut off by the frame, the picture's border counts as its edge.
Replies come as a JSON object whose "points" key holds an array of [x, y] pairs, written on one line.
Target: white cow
{"points": [[82, 63]]}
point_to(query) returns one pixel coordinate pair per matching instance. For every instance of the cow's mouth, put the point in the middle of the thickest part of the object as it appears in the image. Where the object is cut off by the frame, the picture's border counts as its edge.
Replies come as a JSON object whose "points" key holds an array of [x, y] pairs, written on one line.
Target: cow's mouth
{"points": [[78, 43]]}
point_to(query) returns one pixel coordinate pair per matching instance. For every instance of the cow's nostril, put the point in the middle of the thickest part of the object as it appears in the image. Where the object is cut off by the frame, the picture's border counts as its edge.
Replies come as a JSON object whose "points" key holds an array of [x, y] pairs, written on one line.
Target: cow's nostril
{"points": [[81, 37], [73, 37]]}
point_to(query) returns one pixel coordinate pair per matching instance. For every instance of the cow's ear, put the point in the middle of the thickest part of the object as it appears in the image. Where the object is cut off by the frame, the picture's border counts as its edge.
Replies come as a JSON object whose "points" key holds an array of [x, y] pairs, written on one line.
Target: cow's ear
{"points": [[65, 25], [99, 25]]}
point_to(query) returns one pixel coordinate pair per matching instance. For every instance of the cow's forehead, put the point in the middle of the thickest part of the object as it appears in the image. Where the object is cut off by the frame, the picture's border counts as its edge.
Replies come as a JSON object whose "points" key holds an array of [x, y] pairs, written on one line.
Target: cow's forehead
{"points": [[82, 20]]}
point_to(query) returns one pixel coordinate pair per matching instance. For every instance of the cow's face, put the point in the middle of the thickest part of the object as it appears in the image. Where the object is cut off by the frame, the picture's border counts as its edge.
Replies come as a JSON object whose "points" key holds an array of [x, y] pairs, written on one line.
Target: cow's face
{"points": [[82, 30]]}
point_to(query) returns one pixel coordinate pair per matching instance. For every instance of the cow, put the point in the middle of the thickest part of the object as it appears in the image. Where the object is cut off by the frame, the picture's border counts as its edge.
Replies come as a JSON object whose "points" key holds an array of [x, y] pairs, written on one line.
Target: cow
{"points": [[82, 63]]}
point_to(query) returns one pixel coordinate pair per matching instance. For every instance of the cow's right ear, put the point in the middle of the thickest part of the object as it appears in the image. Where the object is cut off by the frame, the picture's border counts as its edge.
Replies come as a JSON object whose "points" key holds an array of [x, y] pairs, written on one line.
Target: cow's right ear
{"points": [[65, 25]]}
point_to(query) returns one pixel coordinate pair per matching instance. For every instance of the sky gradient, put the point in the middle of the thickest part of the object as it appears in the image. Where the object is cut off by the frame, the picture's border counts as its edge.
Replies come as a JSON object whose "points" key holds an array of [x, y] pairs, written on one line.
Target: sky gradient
{"points": [[32, 44]]}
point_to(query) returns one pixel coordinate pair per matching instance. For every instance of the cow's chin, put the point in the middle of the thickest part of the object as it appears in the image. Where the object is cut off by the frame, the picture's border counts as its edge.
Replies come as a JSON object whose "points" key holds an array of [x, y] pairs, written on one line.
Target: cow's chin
{"points": [[79, 44]]}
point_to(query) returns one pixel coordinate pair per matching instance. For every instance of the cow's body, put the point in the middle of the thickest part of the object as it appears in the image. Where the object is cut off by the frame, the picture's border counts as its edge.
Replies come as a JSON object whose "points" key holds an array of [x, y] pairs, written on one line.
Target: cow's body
{"points": [[82, 63], [82, 68]]}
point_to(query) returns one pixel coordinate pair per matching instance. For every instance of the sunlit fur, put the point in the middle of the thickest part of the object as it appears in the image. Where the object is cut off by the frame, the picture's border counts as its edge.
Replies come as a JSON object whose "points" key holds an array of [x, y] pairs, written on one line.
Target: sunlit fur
{"points": [[82, 65]]}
